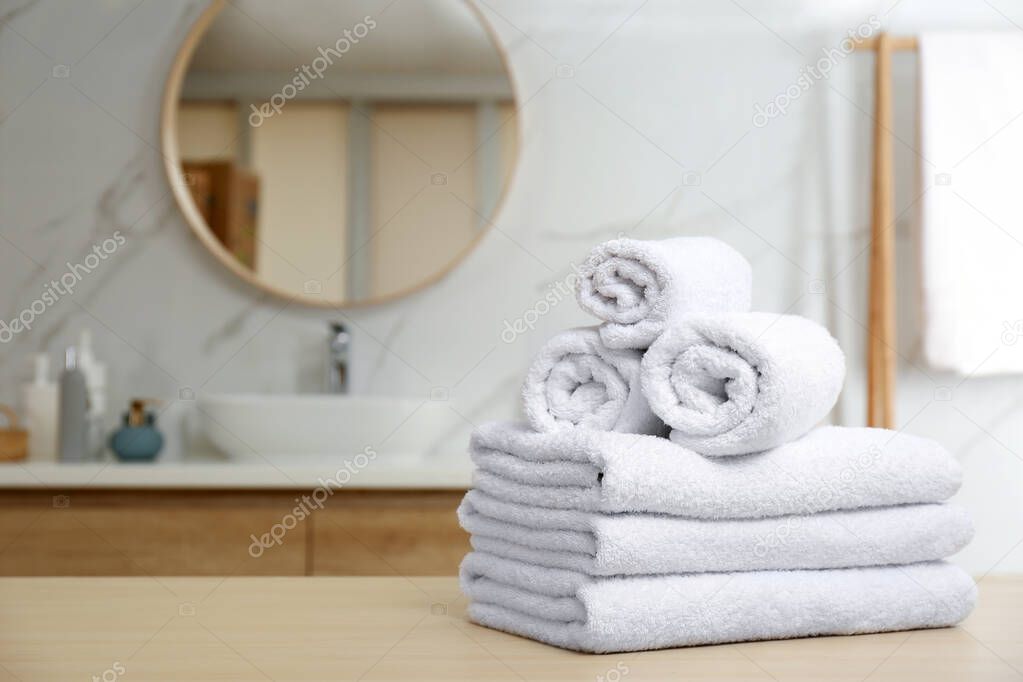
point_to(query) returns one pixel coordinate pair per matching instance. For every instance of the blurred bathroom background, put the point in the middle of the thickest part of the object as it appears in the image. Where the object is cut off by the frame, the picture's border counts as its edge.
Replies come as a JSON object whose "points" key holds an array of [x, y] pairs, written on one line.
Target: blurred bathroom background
{"points": [[637, 118]]}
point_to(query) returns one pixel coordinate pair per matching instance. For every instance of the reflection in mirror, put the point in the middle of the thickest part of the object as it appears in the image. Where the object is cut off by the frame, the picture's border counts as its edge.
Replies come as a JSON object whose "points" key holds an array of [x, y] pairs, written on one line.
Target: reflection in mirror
{"points": [[345, 151]]}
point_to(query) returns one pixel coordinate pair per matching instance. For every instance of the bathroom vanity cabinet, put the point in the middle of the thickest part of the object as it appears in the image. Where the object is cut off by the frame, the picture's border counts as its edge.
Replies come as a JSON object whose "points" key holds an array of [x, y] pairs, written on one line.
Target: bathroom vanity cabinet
{"points": [[121, 532]]}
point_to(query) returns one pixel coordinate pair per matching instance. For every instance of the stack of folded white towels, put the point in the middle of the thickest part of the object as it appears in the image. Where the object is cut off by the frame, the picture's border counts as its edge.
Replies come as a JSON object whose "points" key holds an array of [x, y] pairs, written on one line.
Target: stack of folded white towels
{"points": [[673, 486]]}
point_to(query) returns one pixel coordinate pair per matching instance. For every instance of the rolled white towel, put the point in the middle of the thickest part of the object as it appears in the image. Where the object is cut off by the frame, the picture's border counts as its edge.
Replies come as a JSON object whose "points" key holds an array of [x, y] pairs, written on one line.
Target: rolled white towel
{"points": [[576, 382], [640, 287], [737, 383]]}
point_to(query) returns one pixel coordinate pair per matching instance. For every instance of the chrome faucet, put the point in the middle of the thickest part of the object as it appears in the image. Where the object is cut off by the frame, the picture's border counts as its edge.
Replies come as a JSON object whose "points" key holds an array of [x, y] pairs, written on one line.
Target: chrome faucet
{"points": [[339, 341]]}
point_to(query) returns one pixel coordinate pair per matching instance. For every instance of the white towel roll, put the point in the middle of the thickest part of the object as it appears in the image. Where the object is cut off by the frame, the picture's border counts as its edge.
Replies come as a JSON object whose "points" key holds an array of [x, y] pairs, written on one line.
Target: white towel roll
{"points": [[576, 382], [640, 287], [737, 383]]}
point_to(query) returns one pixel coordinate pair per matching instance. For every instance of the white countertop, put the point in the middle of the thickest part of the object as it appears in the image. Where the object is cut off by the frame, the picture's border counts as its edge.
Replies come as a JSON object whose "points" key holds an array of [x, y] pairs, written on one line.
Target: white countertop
{"points": [[447, 473]]}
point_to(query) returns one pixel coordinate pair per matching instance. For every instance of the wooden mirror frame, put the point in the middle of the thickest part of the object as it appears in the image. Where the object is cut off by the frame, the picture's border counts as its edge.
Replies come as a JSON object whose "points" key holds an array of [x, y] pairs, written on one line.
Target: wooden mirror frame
{"points": [[183, 197]]}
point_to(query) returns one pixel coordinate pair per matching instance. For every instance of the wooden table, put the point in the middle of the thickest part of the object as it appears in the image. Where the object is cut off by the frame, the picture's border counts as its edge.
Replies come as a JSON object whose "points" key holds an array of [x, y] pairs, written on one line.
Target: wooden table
{"points": [[414, 628]]}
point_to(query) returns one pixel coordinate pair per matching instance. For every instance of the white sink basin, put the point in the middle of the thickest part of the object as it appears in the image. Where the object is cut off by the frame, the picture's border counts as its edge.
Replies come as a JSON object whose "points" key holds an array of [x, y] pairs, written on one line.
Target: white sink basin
{"points": [[290, 428]]}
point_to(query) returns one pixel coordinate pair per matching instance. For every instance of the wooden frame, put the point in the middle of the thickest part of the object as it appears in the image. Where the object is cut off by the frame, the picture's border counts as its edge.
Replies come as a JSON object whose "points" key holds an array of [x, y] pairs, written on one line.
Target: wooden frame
{"points": [[179, 187], [881, 331]]}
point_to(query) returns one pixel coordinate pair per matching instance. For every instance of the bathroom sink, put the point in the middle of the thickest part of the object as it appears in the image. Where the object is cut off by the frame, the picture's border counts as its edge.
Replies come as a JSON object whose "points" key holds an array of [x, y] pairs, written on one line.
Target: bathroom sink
{"points": [[292, 428]]}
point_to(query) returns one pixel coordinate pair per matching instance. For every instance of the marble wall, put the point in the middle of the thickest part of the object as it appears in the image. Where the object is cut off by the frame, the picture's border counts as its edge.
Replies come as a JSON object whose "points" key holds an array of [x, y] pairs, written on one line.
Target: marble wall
{"points": [[638, 118]]}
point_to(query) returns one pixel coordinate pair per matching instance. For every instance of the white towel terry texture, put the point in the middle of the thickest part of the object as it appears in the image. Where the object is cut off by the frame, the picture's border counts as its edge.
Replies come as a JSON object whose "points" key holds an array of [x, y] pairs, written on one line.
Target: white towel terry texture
{"points": [[731, 384], [592, 531], [576, 381]]}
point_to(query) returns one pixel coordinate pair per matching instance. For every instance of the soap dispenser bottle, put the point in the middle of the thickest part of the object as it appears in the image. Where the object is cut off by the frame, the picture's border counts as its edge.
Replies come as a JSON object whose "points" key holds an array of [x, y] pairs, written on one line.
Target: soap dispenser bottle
{"points": [[73, 413], [95, 374], [42, 405], [137, 440]]}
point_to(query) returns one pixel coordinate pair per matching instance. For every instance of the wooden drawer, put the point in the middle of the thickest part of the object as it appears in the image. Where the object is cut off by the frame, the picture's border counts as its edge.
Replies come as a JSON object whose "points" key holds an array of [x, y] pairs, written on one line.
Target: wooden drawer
{"points": [[211, 533], [389, 533], [144, 533]]}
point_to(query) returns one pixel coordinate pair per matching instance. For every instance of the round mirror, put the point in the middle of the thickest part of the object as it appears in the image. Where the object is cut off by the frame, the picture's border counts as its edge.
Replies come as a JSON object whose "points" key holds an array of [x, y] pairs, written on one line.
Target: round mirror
{"points": [[340, 152]]}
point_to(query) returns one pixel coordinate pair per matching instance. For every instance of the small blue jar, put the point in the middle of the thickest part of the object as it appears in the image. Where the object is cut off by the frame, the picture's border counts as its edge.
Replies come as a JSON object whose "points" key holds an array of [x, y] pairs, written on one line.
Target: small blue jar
{"points": [[137, 440]]}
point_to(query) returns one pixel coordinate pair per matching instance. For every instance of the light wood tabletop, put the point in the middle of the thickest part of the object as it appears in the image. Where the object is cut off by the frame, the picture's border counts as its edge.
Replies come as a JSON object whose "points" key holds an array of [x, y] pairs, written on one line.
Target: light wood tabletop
{"points": [[415, 629]]}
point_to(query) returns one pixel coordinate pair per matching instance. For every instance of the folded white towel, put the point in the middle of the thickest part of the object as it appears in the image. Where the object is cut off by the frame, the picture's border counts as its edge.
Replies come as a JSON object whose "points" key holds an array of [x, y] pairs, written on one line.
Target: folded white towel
{"points": [[635, 544], [731, 384], [576, 611], [576, 381], [639, 287], [831, 468]]}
